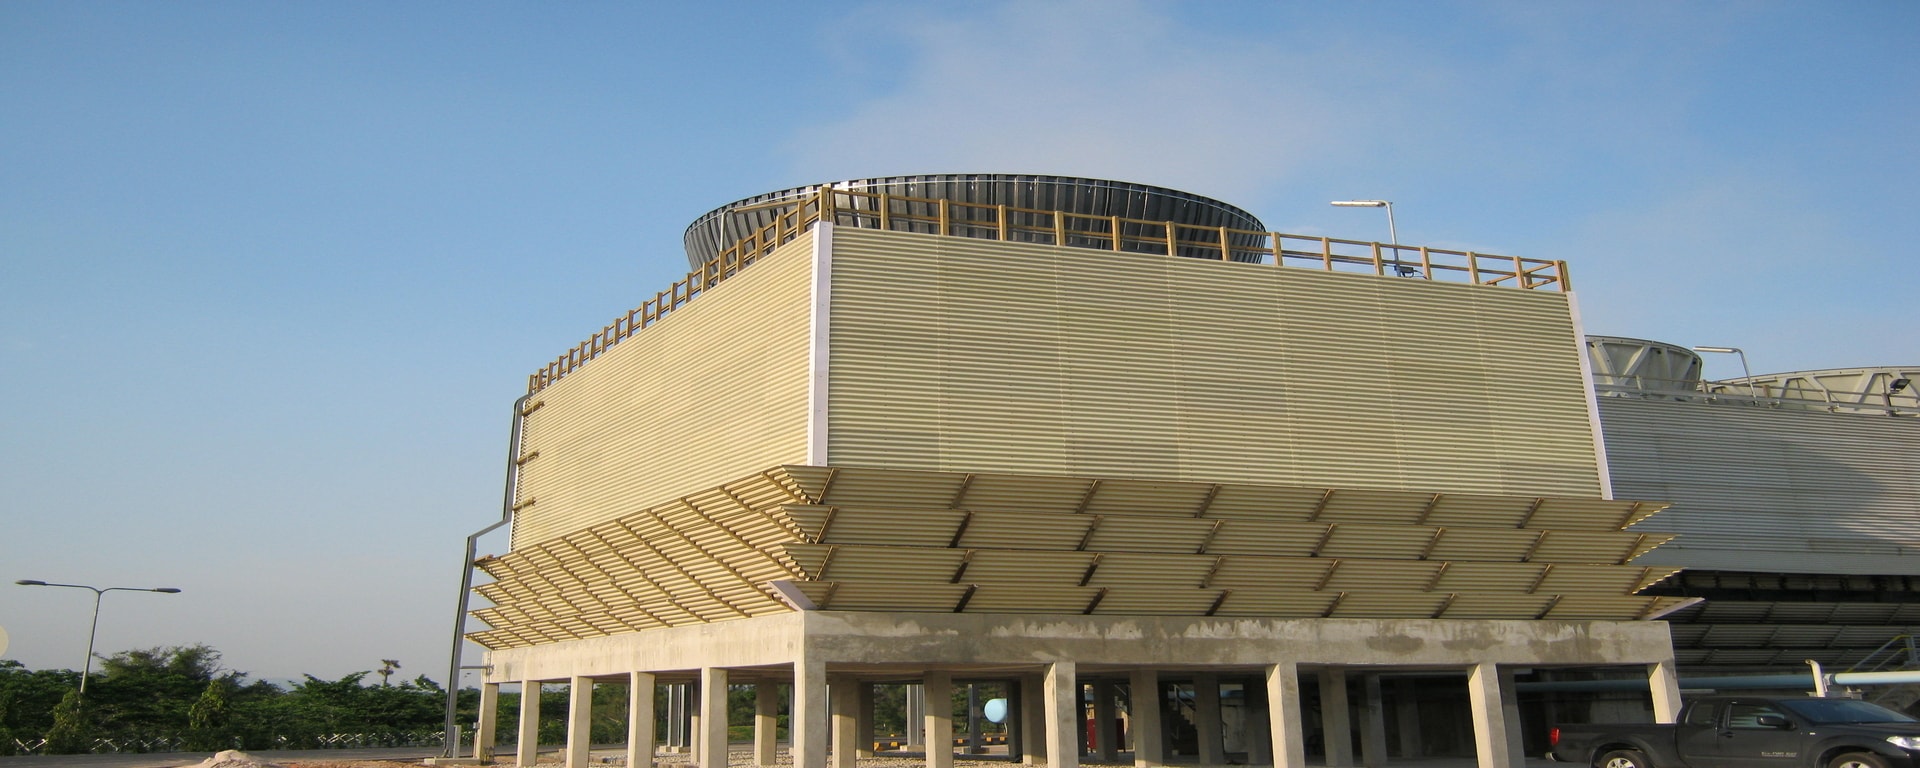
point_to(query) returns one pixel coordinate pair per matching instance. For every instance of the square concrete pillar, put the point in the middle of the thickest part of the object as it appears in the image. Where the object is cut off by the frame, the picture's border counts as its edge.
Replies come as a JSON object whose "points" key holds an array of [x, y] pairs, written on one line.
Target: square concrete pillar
{"points": [[1063, 715], [1033, 719], [1406, 707], [1258, 729], [1283, 716], [579, 721], [693, 722], [676, 717], [864, 745], [939, 721], [766, 724], [1336, 728], [916, 725], [1106, 739], [1206, 711], [529, 747], [484, 731], [639, 720], [1665, 685], [843, 697], [713, 717], [1493, 745], [807, 720], [1373, 723], [1143, 714]]}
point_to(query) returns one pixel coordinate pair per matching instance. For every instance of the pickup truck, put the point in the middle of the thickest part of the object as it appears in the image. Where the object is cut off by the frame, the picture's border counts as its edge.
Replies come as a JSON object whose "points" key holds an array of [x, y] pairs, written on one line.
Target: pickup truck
{"points": [[1751, 732]]}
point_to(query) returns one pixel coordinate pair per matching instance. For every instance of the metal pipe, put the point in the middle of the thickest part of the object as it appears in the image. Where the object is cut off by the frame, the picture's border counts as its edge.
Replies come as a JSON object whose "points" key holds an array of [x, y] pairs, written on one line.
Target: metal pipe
{"points": [[451, 738]]}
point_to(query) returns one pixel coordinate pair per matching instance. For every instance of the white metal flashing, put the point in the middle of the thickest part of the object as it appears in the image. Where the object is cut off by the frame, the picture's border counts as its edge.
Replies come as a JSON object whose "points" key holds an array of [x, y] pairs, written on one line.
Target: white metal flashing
{"points": [[817, 344], [1593, 398]]}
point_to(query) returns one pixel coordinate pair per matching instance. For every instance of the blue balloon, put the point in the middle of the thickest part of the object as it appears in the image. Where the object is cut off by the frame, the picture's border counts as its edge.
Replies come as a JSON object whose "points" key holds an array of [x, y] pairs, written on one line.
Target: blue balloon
{"points": [[995, 710]]}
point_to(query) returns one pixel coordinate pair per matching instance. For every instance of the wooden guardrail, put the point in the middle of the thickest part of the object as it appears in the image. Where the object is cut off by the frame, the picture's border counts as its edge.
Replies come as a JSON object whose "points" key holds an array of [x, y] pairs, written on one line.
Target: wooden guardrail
{"points": [[874, 210]]}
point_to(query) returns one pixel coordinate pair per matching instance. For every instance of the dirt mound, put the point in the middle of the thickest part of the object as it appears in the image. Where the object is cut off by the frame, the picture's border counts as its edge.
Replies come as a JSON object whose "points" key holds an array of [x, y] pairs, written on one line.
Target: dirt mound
{"points": [[234, 758]]}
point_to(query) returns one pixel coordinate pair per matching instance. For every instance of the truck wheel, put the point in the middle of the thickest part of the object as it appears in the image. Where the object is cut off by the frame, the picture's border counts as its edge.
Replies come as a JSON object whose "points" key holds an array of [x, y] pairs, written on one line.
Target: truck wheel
{"points": [[1633, 758], [1858, 760]]}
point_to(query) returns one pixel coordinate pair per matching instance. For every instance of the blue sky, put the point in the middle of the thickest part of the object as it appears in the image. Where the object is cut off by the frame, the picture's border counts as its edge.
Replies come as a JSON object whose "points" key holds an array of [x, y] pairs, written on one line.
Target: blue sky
{"points": [[271, 274]]}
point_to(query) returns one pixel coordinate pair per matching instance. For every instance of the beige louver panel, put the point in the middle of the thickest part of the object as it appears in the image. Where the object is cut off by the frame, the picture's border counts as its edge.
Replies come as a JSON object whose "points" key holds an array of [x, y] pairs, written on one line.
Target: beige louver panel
{"points": [[838, 539]]}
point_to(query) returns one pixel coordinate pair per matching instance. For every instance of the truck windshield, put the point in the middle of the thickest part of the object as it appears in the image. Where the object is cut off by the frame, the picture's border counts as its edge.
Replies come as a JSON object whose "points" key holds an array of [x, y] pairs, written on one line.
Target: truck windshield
{"points": [[1843, 711]]}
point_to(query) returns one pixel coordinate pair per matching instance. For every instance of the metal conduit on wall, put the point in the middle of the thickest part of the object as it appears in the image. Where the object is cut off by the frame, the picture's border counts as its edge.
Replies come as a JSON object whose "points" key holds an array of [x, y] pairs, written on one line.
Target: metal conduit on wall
{"points": [[1102, 198]]}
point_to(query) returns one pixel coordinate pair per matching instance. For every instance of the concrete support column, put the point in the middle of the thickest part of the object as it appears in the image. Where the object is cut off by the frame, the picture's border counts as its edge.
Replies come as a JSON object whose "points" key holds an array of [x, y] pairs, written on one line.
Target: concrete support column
{"points": [[483, 731], [713, 717], [1206, 710], [529, 747], [579, 721], [863, 747], [807, 721], [1493, 744], [692, 692], [1336, 729], [939, 719], [1406, 705], [1143, 713], [1033, 719], [677, 717], [1666, 691], [916, 715], [1259, 725], [1106, 739], [639, 720], [844, 702], [1063, 715], [1373, 724], [1283, 716], [766, 724]]}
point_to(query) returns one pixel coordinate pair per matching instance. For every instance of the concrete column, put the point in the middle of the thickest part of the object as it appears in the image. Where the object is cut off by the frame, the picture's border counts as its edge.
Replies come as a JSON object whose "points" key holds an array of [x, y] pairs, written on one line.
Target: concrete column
{"points": [[1406, 705], [639, 720], [1106, 741], [676, 717], [1666, 691], [713, 717], [863, 746], [1143, 713], [1283, 716], [807, 720], [1493, 745], [1335, 727], [1259, 725], [843, 701], [1063, 715], [766, 724], [1510, 712], [1373, 724], [692, 709], [939, 720], [1206, 710], [1033, 719], [483, 732], [529, 747], [579, 721], [916, 715]]}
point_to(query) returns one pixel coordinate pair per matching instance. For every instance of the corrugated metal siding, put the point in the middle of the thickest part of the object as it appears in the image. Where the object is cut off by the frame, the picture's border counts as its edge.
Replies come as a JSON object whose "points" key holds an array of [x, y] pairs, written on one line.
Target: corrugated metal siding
{"points": [[716, 390], [985, 356], [1758, 489]]}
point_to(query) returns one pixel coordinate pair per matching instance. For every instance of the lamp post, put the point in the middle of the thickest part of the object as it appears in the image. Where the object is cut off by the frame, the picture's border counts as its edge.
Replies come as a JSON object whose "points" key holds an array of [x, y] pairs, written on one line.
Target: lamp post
{"points": [[98, 592], [1893, 388], [1743, 364], [1393, 231]]}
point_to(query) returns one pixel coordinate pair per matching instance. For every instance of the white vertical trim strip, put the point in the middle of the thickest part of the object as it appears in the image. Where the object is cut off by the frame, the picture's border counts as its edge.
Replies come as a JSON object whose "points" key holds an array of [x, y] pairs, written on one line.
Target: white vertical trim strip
{"points": [[817, 345], [1593, 398]]}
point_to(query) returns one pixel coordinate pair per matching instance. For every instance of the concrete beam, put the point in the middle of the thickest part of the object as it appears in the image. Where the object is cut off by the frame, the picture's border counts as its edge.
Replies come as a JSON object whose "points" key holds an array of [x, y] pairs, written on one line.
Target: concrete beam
{"points": [[713, 717], [766, 724], [529, 747], [484, 731], [579, 721], [640, 746], [1283, 715], [1143, 713], [807, 723], [1206, 710], [938, 685], [1336, 728], [1063, 715]]}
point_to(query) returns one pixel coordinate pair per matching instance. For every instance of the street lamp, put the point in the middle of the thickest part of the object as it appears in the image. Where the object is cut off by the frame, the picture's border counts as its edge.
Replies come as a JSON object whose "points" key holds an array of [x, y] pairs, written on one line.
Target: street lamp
{"points": [[1393, 231], [1743, 364], [87, 668]]}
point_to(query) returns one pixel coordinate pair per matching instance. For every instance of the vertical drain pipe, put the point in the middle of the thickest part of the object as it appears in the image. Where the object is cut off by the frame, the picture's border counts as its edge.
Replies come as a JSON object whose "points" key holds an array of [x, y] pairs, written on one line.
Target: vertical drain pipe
{"points": [[450, 740]]}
